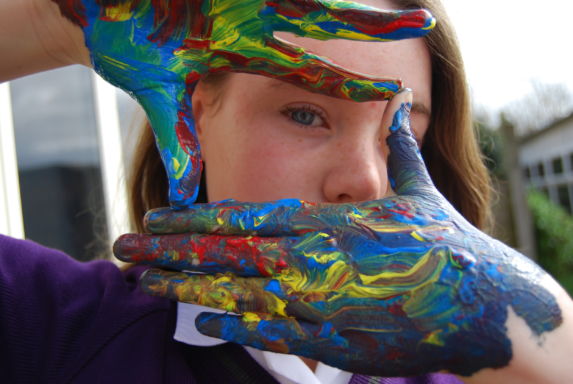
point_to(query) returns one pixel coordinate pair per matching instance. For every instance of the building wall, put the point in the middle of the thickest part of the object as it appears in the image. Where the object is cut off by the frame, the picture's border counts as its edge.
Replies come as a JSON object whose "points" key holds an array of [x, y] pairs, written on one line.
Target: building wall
{"points": [[546, 159]]}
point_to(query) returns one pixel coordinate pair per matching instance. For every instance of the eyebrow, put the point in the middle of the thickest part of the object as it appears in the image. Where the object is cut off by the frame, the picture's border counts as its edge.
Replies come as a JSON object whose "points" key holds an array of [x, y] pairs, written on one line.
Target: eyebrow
{"points": [[417, 107], [420, 108]]}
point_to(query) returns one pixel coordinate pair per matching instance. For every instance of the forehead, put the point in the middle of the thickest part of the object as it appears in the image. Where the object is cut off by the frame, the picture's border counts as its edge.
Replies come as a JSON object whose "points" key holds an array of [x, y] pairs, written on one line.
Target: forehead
{"points": [[408, 60]]}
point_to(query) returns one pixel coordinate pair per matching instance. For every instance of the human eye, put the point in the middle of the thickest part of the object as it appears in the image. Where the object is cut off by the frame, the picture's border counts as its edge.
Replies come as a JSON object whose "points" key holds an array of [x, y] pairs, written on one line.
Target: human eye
{"points": [[306, 115]]}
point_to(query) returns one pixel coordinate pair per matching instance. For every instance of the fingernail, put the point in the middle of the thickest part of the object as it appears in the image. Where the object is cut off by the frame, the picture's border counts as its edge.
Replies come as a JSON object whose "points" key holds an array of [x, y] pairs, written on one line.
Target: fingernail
{"points": [[209, 324], [402, 103], [404, 91], [154, 219], [150, 281], [152, 216]]}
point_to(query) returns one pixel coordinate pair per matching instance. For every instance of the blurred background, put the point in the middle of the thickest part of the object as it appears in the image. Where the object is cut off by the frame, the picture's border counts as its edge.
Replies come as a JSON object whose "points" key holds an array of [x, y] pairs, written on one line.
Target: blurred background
{"points": [[519, 63], [65, 136]]}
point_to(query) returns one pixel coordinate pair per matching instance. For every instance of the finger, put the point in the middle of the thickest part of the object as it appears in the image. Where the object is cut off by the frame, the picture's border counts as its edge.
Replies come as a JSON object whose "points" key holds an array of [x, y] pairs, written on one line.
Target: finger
{"points": [[244, 256], [406, 169], [321, 19], [286, 62], [286, 217], [171, 117], [226, 292], [282, 335]]}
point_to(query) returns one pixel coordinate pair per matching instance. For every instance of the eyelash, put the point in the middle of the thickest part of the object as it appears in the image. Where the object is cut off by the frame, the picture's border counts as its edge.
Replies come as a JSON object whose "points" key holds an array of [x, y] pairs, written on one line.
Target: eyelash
{"points": [[289, 110]]}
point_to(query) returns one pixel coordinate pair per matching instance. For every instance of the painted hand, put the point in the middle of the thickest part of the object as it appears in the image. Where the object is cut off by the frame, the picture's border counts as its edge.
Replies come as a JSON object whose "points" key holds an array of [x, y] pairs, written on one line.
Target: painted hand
{"points": [[157, 50], [395, 287]]}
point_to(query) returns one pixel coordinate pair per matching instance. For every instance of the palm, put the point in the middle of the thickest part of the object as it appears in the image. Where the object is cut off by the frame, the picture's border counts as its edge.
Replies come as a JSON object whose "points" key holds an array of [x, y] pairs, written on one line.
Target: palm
{"points": [[157, 50]]}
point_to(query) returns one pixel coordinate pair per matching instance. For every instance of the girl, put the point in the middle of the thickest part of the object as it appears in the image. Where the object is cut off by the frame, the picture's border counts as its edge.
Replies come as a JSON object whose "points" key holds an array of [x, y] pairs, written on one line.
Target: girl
{"points": [[261, 140]]}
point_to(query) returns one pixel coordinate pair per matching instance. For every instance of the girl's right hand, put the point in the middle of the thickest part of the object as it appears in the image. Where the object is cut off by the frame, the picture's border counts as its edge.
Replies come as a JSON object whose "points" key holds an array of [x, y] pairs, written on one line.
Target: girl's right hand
{"points": [[157, 50]]}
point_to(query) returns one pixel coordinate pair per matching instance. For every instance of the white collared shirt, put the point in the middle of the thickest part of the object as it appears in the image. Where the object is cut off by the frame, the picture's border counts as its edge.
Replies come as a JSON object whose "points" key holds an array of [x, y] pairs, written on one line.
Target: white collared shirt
{"points": [[286, 369]]}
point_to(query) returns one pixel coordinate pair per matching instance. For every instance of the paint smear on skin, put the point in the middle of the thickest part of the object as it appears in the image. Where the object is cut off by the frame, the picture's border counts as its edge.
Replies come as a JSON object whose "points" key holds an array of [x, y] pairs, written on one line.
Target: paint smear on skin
{"points": [[157, 50], [438, 309], [418, 304], [414, 303]]}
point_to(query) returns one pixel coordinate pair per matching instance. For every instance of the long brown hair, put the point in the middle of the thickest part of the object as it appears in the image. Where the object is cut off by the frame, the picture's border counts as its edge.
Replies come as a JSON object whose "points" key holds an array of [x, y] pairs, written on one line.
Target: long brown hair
{"points": [[450, 147]]}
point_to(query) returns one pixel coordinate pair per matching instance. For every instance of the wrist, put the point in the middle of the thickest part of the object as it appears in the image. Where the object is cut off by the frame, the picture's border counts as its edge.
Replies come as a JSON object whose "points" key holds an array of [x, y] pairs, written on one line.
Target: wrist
{"points": [[62, 39], [36, 37]]}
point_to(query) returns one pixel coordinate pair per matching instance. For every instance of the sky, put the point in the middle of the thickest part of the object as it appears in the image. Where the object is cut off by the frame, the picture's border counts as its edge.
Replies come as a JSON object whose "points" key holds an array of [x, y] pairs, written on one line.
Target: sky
{"points": [[507, 44]]}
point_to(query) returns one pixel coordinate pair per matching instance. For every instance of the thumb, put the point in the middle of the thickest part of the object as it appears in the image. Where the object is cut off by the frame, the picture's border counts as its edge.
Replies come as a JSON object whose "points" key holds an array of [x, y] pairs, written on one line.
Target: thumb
{"points": [[406, 169]]}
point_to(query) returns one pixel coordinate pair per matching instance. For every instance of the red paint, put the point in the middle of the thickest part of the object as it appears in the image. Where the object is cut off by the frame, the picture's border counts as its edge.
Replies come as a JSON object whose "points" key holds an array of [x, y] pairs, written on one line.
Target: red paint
{"points": [[341, 280], [179, 19], [402, 213], [280, 265], [373, 23], [285, 49], [294, 8], [194, 44], [396, 309], [74, 11]]}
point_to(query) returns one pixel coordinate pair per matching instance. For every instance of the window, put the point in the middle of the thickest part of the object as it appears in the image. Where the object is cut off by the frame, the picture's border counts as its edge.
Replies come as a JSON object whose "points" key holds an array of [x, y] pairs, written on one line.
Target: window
{"points": [[557, 165], [58, 161], [527, 173], [563, 197], [540, 170], [69, 182]]}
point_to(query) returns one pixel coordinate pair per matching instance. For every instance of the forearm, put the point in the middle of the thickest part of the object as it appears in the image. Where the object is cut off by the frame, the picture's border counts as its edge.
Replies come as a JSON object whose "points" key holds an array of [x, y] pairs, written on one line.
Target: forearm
{"points": [[536, 359], [35, 37]]}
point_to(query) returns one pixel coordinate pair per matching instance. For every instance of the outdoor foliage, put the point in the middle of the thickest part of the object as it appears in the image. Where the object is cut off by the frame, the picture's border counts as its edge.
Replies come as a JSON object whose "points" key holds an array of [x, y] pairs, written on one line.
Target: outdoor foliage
{"points": [[490, 144], [554, 236]]}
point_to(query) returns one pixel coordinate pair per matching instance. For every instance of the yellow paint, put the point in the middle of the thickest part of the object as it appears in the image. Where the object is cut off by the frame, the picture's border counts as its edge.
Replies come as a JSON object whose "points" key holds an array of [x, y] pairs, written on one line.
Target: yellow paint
{"points": [[257, 221], [431, 26], [118, 64], [181, 168], [120, 12], [431, 275], [176, 164], [251, 317], [434, 338], [416, 236]]}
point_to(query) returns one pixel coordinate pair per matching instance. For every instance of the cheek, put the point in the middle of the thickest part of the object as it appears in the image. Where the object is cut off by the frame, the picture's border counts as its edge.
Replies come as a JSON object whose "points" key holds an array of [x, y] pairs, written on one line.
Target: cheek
{"points": [[257, 167], [419, 125]]}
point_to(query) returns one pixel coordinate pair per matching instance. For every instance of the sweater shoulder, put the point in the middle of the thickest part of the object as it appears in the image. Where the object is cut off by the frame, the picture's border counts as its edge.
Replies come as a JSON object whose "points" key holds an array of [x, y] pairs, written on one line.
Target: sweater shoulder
{"points": [[57, 313]]}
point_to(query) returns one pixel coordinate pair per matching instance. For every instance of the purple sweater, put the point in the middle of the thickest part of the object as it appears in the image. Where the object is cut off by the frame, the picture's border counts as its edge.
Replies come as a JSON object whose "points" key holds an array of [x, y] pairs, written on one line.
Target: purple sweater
{"points": [[62, 321]]}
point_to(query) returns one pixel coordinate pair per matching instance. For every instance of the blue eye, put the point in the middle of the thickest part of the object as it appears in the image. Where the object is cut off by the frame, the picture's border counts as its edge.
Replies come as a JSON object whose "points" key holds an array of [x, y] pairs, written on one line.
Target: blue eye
{"points": [[305, 115]]}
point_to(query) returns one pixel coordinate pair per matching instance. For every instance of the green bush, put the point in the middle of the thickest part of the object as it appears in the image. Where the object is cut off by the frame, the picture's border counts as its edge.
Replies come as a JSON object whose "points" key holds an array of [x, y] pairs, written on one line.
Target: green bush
{"points": [[491, 146], [554, 236]]}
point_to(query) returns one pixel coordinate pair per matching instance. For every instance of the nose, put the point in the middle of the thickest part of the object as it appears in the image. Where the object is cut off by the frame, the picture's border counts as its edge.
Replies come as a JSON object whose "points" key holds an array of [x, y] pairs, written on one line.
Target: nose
{"points": [[356, 173]]}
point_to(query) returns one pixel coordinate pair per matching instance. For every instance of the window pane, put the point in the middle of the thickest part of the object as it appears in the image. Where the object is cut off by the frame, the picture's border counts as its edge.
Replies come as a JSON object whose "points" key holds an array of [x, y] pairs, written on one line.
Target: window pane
{"points": [[563, 196], [557, 165], [527, 173], [58, 160], [540, 170]]}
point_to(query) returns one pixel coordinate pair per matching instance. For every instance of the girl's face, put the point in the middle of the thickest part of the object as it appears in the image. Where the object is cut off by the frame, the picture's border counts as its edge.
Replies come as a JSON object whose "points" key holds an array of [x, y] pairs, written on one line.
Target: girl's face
{"points": [[264, 139]]}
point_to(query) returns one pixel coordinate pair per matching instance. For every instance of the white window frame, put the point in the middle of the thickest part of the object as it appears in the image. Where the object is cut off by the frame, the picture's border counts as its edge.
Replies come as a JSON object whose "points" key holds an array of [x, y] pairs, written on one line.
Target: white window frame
{"points": [[11, 222], [111, 157]]}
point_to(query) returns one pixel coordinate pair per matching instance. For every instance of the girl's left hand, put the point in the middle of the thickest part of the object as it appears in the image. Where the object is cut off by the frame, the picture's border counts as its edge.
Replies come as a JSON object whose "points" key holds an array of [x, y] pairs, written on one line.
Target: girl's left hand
{"points": [[394, 287]]}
